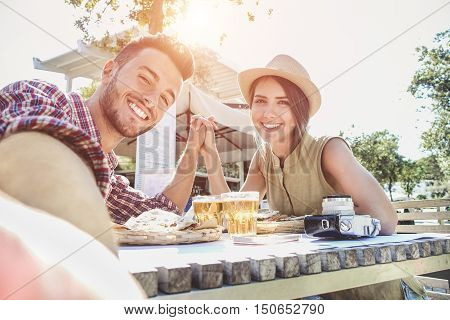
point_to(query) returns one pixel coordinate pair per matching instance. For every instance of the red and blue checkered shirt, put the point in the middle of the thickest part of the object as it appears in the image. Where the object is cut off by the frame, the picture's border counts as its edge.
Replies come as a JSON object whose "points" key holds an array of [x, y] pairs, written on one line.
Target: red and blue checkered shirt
{"points": [[41, 106]]}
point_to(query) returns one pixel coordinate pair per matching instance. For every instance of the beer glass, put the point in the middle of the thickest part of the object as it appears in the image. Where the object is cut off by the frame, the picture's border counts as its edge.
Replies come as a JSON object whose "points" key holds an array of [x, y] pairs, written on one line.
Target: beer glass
{"points": [[240, 209], [208, 208]]}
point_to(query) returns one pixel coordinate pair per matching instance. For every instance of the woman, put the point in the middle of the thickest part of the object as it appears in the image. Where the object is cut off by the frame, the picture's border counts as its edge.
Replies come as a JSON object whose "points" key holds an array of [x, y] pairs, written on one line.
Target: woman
{"points": [[294, 169]]}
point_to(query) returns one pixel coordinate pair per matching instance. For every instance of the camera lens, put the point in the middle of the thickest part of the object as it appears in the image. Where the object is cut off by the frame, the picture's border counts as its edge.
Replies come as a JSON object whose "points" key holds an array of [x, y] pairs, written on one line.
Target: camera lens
{"points": [[338, 204]]}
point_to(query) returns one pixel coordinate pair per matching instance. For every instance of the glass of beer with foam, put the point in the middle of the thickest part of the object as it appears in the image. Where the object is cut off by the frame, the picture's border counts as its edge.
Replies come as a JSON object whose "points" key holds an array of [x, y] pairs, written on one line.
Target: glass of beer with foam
{"points": [[208, 208], [240, 209]]}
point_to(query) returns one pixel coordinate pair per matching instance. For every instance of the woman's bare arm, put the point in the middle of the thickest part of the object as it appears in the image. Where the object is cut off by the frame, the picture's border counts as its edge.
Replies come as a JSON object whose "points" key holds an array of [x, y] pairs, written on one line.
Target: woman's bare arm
{"points": [[216, 178], [345, 174], [255, 180]]}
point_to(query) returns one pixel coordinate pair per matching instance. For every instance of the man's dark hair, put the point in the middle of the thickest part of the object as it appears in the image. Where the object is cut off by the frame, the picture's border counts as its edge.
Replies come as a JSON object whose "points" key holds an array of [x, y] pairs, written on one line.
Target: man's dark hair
{"points": [[177, 52]]}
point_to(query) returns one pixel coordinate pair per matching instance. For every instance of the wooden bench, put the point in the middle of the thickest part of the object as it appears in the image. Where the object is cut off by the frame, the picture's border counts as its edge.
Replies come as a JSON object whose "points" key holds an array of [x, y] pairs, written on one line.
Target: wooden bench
{"points": [[427, 216], [436, 289]]}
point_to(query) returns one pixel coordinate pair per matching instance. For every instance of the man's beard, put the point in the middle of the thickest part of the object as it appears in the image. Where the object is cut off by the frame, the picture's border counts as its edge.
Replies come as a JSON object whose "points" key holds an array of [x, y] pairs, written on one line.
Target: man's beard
{"points": [[112, 112]]}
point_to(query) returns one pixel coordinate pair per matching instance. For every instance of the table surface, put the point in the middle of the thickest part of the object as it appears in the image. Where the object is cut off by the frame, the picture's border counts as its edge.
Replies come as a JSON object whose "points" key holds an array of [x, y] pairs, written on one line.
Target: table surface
{"points": [[146, 259]]}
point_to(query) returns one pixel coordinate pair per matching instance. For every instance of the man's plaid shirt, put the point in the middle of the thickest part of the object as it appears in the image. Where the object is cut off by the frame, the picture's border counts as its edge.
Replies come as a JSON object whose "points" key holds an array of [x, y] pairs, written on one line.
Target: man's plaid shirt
{"points": [[40, 106]]}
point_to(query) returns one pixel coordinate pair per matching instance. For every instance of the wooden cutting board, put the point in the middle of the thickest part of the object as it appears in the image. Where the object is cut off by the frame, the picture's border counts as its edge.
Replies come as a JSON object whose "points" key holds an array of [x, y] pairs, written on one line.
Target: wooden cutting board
{"points": [[126, 236]]}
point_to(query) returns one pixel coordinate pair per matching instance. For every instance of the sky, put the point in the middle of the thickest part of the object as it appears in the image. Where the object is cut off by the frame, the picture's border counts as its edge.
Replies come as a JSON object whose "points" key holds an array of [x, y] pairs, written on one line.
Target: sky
{"points": [[362, 53]]}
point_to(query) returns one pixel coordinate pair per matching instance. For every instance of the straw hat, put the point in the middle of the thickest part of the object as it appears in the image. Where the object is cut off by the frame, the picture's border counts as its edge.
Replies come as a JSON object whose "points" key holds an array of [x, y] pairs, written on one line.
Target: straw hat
{"points": [[285, 67]]}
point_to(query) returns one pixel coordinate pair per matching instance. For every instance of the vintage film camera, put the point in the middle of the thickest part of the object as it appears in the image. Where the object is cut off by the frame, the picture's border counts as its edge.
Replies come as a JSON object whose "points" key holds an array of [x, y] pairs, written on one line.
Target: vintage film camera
{"points": [[338, 220]]}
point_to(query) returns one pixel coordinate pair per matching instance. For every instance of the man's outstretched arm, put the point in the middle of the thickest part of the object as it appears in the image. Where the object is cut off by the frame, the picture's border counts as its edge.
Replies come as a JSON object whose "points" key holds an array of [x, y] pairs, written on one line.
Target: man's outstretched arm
{"points": [[180, 189], [49, 163], [42, 172], [124, 202]]}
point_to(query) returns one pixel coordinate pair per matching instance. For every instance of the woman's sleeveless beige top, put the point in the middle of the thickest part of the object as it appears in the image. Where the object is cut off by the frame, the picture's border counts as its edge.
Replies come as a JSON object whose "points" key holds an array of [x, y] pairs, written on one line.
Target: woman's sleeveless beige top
{"points": [[298, 187]]}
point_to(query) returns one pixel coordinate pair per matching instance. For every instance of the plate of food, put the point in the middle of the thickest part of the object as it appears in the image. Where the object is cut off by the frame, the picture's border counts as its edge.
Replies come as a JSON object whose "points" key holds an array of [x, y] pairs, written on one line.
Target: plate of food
{"points": [[159, 227], [274, 222]]}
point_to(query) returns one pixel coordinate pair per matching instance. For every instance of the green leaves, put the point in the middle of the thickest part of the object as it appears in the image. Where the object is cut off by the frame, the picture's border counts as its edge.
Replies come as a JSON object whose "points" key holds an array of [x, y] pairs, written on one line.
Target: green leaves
{"points": [[204, 61], [155, 15], [410, 176], [88, 91], [432, 81], [378, 153]]}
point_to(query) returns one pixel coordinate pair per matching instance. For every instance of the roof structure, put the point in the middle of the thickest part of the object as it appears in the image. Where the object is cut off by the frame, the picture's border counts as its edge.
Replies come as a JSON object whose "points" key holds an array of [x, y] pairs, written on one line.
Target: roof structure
{"points": [[87, 61], [225, 87], [84, 61]]}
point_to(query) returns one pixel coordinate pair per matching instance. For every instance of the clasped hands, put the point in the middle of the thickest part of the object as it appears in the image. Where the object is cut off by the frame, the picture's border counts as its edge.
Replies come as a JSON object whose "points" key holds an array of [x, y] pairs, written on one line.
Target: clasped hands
{"points": [[202, 137]]}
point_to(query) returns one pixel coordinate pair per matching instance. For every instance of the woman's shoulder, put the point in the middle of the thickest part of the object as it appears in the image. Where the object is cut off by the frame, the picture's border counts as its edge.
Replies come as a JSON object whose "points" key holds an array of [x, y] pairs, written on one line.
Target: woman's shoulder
{"points": [[320, 138], [324, 149], [328, 141], [336, 157]]}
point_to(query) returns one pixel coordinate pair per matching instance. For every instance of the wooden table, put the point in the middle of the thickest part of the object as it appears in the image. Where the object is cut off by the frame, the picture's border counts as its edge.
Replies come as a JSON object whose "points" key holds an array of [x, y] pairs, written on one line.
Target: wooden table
{"points": [[223, 270]]}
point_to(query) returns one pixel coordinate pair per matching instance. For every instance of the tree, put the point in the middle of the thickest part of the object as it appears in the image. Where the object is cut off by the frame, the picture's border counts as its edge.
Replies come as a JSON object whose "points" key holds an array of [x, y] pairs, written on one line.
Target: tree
{"points": [[155, 16], [430, 169], [88, 91], [434, 178], [410, 176], [432, 82], [378, 153]]}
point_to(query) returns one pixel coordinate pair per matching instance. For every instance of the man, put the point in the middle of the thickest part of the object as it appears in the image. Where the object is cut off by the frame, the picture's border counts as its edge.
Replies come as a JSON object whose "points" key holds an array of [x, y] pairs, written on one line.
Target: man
{"points": [[137, 87]]}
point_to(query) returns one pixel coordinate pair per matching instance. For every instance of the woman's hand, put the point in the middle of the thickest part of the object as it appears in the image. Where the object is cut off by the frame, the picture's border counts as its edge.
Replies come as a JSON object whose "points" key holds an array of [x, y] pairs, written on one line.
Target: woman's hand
{"points": [[199, 132], [196, 139], [209, 146]]}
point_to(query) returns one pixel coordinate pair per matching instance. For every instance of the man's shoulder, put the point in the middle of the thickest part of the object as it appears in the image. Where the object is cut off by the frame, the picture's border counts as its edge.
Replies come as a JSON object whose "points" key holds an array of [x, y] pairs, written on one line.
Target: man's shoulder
{"points": [[39, 92], [34, 85]]}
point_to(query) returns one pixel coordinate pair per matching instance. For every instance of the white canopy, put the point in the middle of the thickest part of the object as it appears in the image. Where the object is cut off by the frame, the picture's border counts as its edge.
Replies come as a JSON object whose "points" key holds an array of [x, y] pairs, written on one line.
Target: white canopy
{"points": [[234, 138], [203, 104]]}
